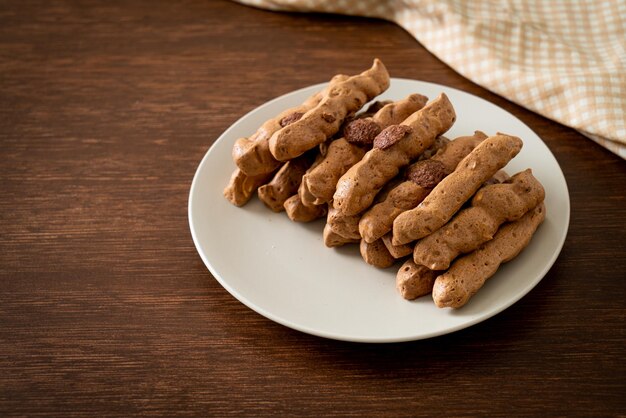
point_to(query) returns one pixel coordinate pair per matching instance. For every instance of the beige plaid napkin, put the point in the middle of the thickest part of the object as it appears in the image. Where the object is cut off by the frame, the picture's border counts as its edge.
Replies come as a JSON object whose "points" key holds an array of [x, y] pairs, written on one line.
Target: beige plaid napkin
{"points": [[564, 59]]}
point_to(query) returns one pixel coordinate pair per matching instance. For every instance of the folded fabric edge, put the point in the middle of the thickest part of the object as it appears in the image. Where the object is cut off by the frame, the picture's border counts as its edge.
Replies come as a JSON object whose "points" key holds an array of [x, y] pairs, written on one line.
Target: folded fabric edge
{"points": [[617, 148], [313, 7]]}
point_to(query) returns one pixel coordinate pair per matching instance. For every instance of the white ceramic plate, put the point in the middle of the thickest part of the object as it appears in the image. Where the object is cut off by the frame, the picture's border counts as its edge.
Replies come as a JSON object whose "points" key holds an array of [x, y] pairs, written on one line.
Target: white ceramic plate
{"points": [[283, 271]]}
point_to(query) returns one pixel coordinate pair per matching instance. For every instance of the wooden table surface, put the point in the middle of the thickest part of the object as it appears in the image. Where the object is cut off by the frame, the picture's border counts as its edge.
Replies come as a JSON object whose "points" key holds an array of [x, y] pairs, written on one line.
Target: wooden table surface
{"points": [[106, 309]]}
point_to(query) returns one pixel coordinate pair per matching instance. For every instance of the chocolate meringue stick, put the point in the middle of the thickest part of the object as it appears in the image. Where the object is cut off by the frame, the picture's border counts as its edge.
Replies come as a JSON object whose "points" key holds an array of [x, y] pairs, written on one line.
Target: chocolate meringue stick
{"points": [[324, 120], [468, 274], [394, 148], [454, 190], [252, 155]]}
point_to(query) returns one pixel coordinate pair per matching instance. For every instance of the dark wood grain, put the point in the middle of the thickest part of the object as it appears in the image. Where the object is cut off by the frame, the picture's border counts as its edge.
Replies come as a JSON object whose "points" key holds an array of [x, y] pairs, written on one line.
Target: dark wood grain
{"points": [[106, 108]]}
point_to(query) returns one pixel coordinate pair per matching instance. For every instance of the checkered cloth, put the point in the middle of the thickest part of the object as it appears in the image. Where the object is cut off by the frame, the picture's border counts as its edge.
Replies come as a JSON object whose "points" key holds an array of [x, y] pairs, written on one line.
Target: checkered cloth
{"points": [[564, 59]]}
